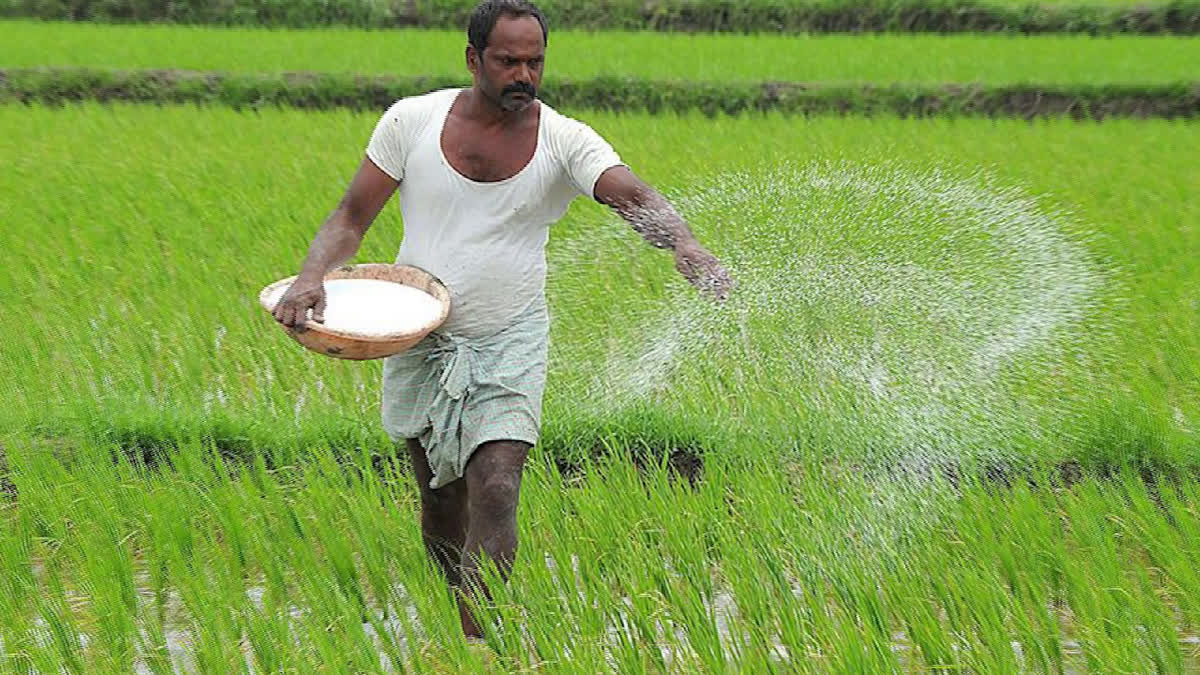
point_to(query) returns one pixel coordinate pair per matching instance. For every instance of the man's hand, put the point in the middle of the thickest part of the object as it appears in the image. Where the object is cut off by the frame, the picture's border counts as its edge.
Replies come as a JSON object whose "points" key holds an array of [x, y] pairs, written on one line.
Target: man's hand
{"points": [[653, 217], [303, 294], [702, 269]]}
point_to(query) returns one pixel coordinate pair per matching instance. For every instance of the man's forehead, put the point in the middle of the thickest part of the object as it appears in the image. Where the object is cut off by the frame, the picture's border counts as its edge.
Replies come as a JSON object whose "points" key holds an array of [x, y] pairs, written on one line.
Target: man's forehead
{"points": [[517, 34]]}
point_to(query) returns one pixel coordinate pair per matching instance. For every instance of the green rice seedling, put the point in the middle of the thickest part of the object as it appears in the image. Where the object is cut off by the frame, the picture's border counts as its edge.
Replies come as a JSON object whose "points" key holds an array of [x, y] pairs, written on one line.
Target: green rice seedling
{"points": [[61, 625], [99, 549], [1157, 624], [759, 590], [1180, 563], [18, 584], [268, 636], [209, 611], [153, 648], [1034, 559], [1148, 566], [1098, 595], [329, 532], [547, 562], [372, 541]]}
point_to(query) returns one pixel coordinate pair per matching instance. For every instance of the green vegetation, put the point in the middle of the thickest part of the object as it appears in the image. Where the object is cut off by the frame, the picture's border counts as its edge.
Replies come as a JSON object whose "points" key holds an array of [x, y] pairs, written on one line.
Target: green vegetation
{"points": [[1177, 16], [301, 563], [146, 233], [576, 55], [947, 420]]}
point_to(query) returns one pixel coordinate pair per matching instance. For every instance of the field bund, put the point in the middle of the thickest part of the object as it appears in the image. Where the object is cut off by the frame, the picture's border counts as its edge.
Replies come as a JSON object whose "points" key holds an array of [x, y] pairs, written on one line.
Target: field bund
{"points": [[911, 76]]}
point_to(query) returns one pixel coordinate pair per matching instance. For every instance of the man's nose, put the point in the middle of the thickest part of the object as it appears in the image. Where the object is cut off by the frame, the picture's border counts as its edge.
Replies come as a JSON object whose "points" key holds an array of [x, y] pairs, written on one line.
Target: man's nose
{"points": [[524, 73]]}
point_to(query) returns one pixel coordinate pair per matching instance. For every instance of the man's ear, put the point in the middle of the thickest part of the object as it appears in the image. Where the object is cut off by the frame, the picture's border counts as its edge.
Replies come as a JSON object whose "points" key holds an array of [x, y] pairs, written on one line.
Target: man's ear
{"points": [[472, 60]]}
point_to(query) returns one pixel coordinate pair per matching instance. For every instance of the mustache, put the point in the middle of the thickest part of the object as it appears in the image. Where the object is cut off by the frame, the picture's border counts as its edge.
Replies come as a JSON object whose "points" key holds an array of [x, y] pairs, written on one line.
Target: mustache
{"points": [[520, 88]]}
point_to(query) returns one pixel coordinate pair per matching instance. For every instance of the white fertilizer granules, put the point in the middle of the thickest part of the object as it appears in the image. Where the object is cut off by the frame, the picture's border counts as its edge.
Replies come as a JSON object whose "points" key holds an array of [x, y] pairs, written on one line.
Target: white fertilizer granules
{"points": [[371, 308]]}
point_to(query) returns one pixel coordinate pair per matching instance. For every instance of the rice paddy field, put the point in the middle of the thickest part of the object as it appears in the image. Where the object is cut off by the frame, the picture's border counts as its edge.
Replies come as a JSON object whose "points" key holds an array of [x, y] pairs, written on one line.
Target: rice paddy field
{"points": [[946, 422], [890, 58]]}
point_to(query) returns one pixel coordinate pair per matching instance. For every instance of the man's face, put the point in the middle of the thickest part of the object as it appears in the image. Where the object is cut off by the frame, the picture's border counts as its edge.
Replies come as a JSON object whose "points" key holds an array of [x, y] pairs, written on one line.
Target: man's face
{"points": [[509, 70]]}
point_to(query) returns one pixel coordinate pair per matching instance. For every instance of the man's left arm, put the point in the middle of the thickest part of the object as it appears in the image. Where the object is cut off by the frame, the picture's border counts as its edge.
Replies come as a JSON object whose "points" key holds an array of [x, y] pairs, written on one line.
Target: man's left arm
{"points": [[653, 217]]}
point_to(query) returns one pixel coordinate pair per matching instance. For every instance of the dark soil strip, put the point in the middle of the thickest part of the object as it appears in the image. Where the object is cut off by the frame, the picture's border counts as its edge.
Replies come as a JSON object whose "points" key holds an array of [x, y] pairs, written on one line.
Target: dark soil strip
{"points": [[324, 91], [6, 485], [1180, 17], [682, 462]]}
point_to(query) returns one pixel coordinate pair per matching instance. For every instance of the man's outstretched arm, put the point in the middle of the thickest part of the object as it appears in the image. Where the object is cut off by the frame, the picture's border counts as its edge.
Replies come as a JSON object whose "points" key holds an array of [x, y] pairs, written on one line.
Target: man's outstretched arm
{"points": [[653, 217]]}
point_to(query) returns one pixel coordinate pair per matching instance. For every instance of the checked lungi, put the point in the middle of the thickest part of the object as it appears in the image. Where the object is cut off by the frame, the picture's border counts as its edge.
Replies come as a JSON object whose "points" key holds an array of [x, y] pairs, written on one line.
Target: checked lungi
{"points": [[454, 394]]}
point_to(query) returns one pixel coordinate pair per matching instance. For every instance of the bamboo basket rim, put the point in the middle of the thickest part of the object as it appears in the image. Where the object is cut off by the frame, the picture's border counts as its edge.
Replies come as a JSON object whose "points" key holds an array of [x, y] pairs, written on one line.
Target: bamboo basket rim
{"points": [[434, 287]]}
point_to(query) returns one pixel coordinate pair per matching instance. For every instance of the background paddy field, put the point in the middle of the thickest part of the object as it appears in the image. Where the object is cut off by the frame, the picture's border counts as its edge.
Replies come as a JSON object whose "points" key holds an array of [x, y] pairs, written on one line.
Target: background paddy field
{"points": [[646, 55], [704, 57], [751, 16]]}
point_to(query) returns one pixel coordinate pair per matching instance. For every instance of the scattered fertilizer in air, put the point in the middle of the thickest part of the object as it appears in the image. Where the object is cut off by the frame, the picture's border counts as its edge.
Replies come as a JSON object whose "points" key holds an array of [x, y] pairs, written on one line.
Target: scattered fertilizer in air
{"points": [[371, 307], [912, 316]]}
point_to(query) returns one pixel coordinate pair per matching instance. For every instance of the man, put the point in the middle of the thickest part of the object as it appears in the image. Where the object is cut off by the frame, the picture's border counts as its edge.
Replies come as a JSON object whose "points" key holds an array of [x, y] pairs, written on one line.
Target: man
{"points": [[482, 172]]}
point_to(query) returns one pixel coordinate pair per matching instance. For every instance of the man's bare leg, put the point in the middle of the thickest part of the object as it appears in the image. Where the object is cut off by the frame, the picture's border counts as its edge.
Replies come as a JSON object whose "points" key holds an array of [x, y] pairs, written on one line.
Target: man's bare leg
{"points": [[443, 517], [493, 478]]}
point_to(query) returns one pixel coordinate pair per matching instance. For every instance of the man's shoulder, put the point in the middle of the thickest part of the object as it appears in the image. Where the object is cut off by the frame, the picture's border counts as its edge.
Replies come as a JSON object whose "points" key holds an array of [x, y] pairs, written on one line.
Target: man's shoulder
{"points": [[419, 104], [566, 132], [556, 120]]}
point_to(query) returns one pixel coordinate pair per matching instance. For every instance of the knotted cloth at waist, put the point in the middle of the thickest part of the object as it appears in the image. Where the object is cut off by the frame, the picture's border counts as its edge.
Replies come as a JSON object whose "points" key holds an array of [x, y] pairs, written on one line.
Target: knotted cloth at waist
{"points": [[454, 393]]}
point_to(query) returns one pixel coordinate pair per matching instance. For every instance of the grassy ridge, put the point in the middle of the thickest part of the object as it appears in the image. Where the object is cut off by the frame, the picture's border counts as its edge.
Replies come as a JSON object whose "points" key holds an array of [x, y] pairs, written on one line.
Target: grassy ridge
{"points": [[321, 91], [146, 233], [576, 55], [1177, 16], [761, 567]]}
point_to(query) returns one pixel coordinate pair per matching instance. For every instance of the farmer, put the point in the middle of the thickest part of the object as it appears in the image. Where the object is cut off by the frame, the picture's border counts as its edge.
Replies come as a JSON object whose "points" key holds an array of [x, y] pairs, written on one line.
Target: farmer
{"points": [[482, 173]]}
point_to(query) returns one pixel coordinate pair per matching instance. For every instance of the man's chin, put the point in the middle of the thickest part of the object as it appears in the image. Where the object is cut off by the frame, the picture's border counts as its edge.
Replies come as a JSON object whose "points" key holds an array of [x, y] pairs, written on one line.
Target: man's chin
{"points": [[516, 104]]}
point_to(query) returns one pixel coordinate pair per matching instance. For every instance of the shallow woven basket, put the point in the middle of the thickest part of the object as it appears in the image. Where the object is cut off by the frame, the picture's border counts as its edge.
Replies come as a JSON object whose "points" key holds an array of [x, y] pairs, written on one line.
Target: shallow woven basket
{"points": [[341, 345]]}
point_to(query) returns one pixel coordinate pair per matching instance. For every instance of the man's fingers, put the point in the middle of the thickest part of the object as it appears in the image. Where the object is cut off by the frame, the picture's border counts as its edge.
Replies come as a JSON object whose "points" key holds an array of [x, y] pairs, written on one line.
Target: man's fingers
{"points": [[705, 272], [293, 316], [719, 282], [319, 310]]}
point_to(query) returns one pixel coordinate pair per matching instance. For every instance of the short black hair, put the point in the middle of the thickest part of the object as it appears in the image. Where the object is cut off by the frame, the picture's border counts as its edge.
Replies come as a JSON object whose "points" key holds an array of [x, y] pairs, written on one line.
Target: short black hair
{"points": [[486, 13]]}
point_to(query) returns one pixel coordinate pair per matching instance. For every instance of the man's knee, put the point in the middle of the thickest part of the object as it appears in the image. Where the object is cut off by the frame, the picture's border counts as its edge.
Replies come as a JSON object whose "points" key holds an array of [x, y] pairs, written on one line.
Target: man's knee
{"points": [[494, 478], [496, 495]]}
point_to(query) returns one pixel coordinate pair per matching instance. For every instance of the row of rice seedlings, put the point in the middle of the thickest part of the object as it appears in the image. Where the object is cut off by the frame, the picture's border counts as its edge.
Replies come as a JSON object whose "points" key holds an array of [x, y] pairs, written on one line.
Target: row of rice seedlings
{"points": [[574, 55], [213, 565]]}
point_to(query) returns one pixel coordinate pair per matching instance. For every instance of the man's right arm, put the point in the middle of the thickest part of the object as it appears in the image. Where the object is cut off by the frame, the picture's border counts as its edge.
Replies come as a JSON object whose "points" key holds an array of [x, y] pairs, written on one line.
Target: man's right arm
{"points": [[336, 242]]}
